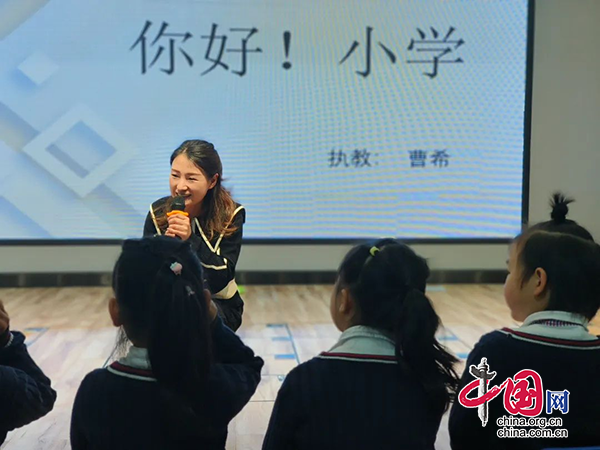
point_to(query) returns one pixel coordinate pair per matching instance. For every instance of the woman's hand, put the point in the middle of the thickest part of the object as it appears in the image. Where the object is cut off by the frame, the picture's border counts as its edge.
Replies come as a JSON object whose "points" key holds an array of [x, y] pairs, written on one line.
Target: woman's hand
{"points": [[179, 226]]}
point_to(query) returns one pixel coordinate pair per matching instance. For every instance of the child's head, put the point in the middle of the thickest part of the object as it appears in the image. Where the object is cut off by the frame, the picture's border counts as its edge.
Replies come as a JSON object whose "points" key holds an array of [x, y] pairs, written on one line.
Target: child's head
{"points": [[559, 222], [382, 285], [161, 304], [373, 280], [553, 271]]}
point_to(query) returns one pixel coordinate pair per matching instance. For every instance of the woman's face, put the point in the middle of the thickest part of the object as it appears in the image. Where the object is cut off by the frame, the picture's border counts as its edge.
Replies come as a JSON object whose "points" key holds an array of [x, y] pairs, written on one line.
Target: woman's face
{"points": [[188, 181]]}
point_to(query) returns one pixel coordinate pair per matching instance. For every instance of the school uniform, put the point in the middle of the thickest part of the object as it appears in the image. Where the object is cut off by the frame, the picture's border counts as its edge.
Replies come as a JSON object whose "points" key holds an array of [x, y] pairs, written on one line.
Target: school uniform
{"points": [[354, 397], [559, 347], [218, 255], [124, 407], [25, 392]]}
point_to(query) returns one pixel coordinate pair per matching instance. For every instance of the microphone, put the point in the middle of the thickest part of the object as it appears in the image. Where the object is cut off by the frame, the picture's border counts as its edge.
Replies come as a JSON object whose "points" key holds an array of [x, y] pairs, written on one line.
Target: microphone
{"points": [[177, 207]]}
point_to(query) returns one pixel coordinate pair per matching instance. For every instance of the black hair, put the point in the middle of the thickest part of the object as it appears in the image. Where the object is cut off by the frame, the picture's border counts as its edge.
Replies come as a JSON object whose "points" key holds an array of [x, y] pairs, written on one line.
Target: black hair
{"points": [[158, 285], [559, 222], [572, 267], [387, 279]]}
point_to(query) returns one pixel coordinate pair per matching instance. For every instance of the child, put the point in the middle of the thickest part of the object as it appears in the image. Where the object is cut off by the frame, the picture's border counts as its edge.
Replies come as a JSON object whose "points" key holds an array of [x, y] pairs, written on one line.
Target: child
{"points": [[554, 287], [186, 375], [25, 392], [387, 382]]}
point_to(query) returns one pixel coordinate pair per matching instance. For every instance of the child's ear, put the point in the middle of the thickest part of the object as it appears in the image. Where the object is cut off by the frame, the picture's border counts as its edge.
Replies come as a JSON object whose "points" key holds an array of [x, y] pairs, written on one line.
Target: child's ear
{"points": [[349, 308], [113, 310], [347, 304], [541, 281], [343, 298]]}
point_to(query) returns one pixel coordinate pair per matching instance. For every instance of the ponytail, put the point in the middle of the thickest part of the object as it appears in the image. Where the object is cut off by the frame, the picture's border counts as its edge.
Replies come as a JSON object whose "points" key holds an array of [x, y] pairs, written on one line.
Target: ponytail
{"points": [[430, 363], [178, 334], [387, 280], [159, 289]]}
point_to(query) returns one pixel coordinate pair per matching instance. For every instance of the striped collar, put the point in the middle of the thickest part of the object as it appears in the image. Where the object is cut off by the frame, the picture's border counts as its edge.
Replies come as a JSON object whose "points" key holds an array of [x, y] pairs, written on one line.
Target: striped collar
{"points": [[556, 328], [135, 365], [557, 324], [364, 344]]}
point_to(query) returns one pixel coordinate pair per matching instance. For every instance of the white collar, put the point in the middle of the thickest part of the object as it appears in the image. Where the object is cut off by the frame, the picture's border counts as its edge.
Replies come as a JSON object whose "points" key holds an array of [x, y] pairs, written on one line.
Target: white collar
{"points": [[135, 365], [575, 327], [362, 340], [137, 358]]}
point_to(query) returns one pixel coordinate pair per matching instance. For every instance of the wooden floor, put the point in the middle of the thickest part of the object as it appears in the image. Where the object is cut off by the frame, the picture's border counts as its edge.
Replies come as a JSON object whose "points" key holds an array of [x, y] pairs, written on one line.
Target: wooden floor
{"points": [[69, 334]]}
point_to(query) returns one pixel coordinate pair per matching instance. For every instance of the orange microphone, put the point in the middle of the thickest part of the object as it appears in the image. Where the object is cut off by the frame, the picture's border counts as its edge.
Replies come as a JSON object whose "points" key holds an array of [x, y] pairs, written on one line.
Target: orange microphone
{"points": [[177, 206]]}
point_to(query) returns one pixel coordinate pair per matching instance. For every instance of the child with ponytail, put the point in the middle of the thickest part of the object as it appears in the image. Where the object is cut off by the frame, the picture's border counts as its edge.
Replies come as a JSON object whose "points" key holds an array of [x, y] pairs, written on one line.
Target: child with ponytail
{"points": [[185, 375], [388, 381]]}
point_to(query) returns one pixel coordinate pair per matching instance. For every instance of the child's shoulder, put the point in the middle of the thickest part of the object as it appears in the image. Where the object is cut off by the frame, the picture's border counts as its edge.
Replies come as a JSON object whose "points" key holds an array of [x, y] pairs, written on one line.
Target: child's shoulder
{"points": [[91, 383], [495, 337], [117, 376], [493, 341], [306, 370], [307, 379], [95, 376], [332, 363]]}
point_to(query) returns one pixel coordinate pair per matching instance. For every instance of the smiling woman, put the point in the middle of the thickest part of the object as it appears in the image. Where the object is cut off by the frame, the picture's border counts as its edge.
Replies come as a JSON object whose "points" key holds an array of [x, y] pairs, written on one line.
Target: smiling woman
{"points": [[213, 224]]}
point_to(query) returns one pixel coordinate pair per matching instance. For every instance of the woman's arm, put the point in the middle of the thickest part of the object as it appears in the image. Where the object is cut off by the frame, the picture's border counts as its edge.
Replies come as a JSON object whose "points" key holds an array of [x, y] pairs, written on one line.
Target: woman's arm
{"points": [[219, 261]]}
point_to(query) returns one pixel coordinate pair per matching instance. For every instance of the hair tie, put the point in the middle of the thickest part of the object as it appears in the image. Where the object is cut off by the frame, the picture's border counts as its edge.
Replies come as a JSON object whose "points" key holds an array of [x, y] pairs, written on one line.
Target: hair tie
{"points": [[373, 250], [176, 268], [190, 291]]}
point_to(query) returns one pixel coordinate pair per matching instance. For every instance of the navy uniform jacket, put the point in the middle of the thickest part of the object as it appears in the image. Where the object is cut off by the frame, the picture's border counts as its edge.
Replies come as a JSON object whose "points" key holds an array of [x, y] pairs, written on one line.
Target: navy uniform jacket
{"points": [[124, 407], [25, 392], [559, 348]]}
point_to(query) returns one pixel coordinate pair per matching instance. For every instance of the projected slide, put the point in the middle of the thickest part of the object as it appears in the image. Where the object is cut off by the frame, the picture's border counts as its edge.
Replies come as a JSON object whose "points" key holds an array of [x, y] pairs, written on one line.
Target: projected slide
{"points": [[333, 118]]}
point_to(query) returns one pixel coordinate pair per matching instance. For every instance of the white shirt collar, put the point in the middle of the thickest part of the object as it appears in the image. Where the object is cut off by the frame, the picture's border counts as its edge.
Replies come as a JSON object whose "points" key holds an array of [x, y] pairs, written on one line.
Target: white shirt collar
{"points": [[364, 340], [137, 358], [575, 328], [557, 315]]}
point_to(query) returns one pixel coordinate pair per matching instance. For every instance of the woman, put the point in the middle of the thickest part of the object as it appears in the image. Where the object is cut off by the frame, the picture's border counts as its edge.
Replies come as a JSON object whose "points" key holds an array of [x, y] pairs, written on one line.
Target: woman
{"points": [[212, 222]]}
